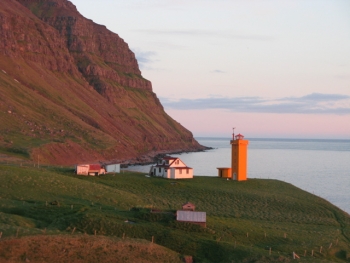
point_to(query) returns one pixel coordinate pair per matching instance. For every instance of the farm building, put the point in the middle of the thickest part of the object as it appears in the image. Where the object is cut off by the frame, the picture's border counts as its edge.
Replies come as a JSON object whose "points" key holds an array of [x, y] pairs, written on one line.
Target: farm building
{"points": [[188, 206], [198, 218], [89, 169], [112, 168], [171, 168]]}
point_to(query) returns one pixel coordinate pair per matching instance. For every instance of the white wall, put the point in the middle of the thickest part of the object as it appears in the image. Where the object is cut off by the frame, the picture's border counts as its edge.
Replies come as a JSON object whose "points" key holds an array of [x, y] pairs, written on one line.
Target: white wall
{"points": [[83, 169], [113, 168], [184, 173]]}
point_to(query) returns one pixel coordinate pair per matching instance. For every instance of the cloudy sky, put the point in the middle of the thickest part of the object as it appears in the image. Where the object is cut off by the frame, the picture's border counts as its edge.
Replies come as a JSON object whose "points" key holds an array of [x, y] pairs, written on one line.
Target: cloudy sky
{"points": [[270, 68]]}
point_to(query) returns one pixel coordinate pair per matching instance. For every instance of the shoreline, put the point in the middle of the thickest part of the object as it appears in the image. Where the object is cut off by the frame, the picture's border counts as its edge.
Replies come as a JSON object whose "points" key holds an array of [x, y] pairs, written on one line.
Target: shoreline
{"points": [[152, 157]]}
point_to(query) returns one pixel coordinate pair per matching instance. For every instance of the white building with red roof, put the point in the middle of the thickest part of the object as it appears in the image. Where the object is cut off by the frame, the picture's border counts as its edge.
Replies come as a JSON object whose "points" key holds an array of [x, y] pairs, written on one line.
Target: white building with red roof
{"points": [[90, 169], [171, 168]]}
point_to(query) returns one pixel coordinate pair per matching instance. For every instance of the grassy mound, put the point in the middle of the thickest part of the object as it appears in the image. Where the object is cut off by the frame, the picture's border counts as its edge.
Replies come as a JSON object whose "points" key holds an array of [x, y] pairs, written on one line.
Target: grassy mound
{"points": [[252, 221], [83, 249]]}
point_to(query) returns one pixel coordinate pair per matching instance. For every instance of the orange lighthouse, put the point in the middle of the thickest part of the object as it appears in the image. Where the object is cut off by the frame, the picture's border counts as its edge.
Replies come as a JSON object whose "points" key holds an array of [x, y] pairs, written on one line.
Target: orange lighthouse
{"points": [[239, 157], [238, 170]]}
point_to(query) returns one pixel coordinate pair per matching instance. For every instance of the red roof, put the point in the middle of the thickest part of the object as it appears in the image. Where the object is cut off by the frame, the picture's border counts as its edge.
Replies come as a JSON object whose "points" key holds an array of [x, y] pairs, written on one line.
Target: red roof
{"points": [[239, 136], [188, 203], [95, 167]]}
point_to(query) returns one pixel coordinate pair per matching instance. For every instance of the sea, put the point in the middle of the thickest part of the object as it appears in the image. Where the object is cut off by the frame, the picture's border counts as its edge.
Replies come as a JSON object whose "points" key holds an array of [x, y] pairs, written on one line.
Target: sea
{"points": [[321, 167]]}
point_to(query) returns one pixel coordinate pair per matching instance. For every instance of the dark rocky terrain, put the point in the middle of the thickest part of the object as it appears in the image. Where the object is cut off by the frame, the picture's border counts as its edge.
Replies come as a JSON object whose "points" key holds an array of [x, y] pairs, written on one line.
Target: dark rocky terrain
{"points": [[72, 91]]}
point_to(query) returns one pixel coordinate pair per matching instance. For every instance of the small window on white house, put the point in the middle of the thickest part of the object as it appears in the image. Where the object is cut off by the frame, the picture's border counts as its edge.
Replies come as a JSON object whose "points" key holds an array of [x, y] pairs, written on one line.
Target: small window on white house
{"points": [[160, 169], [187, 171], [180, 171]]}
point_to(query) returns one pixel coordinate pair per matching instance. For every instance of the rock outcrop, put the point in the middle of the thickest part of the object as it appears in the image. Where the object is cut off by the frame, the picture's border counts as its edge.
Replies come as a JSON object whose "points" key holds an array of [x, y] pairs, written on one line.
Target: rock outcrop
{"points": [[72, 90]]}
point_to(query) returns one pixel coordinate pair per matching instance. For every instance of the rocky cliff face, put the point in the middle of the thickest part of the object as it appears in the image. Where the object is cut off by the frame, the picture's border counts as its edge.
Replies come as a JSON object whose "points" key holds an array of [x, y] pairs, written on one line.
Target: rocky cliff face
{"points": [[72, 90], [99, 54]]}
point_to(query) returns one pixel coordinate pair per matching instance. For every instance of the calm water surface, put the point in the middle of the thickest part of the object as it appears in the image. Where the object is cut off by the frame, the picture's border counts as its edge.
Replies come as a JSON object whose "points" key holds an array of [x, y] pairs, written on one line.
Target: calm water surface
{"points": [[321, 167]]}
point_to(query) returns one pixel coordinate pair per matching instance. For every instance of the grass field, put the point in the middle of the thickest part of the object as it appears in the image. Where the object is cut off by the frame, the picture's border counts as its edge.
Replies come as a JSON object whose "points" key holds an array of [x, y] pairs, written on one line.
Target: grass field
{"points": [[244, 219]]}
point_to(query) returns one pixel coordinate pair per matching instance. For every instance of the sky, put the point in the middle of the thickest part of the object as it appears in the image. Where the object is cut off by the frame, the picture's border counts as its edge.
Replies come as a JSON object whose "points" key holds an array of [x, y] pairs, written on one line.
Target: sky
{"points": [[269, 68]]}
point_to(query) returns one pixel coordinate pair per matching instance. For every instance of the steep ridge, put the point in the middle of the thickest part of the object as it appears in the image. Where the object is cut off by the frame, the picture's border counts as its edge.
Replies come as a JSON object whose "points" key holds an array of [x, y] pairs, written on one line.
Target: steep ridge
{"points": [[71, 91]]}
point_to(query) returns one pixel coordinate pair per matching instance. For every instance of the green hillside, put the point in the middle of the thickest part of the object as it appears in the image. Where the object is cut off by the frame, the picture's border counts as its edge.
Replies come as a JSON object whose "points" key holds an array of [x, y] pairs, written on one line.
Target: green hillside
{"points": [[244, 219]]}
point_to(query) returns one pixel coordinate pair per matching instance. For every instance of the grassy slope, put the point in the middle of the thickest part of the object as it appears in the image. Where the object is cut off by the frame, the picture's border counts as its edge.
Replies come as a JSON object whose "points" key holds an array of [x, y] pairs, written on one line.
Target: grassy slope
{"points": [[238, 214], [84, 249], [39, 111]]}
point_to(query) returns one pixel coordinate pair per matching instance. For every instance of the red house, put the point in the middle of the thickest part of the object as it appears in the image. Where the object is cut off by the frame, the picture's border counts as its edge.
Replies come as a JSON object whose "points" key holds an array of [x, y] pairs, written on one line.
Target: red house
{"points": [[188, 207]]}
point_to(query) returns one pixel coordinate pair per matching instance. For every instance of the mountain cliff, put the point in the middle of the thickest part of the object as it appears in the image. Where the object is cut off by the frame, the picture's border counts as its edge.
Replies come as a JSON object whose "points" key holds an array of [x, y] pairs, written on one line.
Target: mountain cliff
{"points": [[72, 91]]}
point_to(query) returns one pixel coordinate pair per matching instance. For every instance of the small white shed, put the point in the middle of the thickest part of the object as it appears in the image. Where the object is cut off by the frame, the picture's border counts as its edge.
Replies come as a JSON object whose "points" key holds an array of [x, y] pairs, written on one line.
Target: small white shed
{"points": [[82, 169], [112, 168], [199, 218]]}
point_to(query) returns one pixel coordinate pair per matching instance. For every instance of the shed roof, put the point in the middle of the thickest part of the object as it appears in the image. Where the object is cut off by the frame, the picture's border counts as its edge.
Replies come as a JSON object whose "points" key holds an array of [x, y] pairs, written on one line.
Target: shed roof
{"points": [[112, 164], [187, 203], [191, 216], [95, 167]]}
